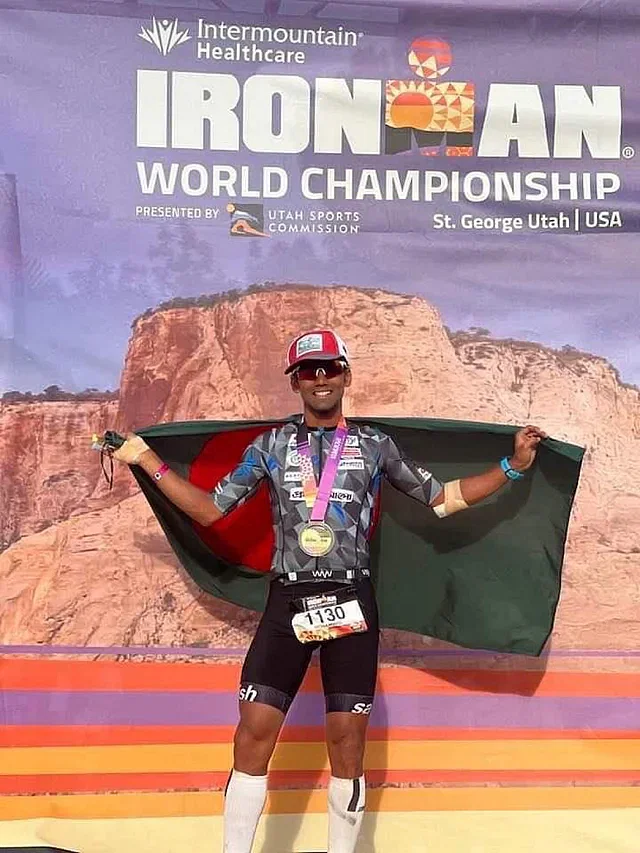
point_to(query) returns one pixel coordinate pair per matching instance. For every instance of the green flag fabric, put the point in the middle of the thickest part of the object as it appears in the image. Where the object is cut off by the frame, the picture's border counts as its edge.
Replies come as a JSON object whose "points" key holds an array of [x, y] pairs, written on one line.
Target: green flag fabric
{"points": [[485, 578]]}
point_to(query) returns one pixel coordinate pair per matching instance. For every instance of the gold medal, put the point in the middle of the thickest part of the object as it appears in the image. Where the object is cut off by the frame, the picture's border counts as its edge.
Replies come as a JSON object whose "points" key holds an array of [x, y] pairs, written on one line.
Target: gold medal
{"points": [[316, 539]]}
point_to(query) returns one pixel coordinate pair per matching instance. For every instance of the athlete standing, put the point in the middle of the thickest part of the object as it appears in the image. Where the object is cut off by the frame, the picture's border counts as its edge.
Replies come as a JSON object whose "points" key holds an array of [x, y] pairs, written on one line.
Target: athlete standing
{"points": [[324, 477]]}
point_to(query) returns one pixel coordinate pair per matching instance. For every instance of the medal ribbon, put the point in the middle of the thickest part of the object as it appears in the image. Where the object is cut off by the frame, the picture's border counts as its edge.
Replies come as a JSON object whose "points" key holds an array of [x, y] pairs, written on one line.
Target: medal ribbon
{"points": [[317, 496]]}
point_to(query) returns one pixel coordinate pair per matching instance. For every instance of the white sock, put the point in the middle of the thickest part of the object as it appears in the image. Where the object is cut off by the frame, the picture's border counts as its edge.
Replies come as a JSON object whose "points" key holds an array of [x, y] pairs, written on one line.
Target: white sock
{"points": [[244, 800], [346, 809]]}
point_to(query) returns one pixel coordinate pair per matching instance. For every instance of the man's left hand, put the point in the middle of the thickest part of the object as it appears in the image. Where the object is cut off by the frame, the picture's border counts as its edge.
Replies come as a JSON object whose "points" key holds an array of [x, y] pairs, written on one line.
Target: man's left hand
{"points": [[525, 447]]}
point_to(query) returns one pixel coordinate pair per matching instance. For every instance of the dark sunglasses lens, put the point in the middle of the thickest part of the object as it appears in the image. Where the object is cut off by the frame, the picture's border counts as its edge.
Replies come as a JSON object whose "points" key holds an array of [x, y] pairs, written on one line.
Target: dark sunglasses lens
{"points": [[334, 368], [308, 372]]}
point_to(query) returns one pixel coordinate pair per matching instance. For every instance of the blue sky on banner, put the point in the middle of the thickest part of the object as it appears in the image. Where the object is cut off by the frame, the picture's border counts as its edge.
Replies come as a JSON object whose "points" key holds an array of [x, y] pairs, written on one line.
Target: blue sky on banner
{"points": [[68, 135]]}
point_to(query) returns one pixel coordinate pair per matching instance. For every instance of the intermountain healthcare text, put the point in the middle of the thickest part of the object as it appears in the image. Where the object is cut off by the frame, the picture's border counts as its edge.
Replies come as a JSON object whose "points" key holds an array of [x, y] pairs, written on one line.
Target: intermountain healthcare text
{"points": [[345, 184], [209, 36]]}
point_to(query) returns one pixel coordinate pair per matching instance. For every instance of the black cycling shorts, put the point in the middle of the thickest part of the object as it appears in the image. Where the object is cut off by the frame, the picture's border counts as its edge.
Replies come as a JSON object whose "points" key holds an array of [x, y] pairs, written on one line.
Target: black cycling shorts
{"points": [[277, 661]]}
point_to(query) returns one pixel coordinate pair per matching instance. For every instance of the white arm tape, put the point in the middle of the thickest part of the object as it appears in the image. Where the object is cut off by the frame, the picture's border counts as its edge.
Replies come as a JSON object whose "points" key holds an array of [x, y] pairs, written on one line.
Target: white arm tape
{"points": [[453, 500]]}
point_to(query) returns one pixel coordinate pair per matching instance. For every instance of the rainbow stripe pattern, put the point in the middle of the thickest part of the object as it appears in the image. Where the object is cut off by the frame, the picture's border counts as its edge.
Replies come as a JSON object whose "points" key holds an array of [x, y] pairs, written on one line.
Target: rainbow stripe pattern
{"points": [[123, 739]]}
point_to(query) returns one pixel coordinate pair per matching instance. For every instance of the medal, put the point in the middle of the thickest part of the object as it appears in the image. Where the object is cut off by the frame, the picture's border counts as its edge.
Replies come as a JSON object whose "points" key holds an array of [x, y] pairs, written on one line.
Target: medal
{"points": [[316, 539]]}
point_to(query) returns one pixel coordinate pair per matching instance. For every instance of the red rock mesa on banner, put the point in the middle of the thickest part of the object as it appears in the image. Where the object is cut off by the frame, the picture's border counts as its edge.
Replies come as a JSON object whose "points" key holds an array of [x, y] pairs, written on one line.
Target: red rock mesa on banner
{"points": [[434, 115]]}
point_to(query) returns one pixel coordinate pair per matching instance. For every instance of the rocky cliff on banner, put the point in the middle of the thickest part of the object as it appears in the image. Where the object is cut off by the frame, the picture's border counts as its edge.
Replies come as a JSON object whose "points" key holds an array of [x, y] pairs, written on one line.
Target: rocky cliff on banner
{"points": [[86, 566]]}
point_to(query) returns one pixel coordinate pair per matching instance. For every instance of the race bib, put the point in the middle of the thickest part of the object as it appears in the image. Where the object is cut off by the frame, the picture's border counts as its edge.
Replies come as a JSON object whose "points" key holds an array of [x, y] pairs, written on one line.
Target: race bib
{"points": [[324, 618]]}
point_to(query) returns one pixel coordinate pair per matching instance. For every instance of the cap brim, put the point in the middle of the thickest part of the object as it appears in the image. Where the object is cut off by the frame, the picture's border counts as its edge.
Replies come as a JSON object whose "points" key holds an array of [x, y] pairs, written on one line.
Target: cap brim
{"points": [[319, 357]]}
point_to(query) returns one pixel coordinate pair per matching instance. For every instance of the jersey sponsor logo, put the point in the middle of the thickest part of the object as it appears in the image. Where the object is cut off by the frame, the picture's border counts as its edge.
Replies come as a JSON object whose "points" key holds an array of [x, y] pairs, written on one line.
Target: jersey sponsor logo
{"points": [[352, 447], [362, 708], [352, 453], [343, 496], [293, 460], [248, 693], [293, 476], [426, 475], [351, 465]]}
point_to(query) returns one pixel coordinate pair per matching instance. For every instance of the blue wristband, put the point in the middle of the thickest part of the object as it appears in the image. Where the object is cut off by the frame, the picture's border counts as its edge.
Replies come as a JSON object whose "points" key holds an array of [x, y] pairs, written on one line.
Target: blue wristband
{"points": [[511, 473]]}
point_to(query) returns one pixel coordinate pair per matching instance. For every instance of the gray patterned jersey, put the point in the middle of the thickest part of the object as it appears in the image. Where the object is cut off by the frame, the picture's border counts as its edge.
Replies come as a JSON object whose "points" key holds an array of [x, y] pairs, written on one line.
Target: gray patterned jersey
{"points": [[368, 455]]}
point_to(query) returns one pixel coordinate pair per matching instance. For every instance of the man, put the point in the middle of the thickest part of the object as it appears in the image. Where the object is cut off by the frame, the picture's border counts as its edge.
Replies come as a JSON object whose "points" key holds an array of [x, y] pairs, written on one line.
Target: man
{"points": [[324, 477]]}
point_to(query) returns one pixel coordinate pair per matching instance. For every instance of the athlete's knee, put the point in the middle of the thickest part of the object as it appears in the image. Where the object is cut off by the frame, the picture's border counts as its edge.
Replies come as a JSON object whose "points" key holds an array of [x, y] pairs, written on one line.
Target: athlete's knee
{"points": [[255, 737], [253, 747], [258, 723], [252, 738]]}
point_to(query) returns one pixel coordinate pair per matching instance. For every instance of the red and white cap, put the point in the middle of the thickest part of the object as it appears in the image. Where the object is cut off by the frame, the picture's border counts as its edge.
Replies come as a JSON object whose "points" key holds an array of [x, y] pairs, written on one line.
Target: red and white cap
{"points": [[317, 345]]}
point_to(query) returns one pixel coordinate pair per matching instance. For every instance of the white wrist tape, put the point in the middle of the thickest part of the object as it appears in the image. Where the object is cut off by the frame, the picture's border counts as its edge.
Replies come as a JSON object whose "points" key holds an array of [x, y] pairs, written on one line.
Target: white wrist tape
{"points": [[453, 500], [131, 451]]}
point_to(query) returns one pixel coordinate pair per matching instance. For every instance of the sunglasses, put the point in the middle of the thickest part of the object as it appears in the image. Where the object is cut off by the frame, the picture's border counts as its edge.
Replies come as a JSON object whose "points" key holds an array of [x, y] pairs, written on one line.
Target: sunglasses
{"points": [[309, 371]]}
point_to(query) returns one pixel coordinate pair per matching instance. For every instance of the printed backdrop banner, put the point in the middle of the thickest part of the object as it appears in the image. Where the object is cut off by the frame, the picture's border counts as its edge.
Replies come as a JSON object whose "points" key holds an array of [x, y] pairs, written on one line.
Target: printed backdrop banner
{"points": [[482, 158], [184, 187]]}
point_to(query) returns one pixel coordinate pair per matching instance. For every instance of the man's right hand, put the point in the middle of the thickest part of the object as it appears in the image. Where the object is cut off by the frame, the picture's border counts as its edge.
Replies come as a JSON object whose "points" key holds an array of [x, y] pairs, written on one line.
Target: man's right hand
{"points": [[192, 500], [131, 451]]}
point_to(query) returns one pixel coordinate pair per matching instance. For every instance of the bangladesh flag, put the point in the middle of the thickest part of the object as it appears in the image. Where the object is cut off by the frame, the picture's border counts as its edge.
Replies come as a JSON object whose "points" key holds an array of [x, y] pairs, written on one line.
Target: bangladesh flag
{"points": [[486, 578]]}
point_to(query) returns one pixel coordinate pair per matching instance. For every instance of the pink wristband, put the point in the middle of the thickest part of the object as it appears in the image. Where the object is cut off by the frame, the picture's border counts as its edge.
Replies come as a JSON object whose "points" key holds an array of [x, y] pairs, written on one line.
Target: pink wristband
{"points": [[162, 470]]}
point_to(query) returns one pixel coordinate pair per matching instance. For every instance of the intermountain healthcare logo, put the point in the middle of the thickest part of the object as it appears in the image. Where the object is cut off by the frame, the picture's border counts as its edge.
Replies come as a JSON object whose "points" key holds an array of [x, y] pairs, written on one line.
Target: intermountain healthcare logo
{"points": [[164, 35]]}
